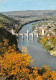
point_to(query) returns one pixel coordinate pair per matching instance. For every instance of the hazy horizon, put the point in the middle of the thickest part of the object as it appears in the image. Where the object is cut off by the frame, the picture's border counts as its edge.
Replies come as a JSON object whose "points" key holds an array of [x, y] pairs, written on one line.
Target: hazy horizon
{"points": [[28, 10]]}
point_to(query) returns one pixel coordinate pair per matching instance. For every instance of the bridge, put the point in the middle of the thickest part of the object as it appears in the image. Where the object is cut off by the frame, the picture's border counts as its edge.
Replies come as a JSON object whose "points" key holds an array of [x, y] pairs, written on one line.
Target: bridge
{"points": [[12, 31], [23, 34], [28, 34]]}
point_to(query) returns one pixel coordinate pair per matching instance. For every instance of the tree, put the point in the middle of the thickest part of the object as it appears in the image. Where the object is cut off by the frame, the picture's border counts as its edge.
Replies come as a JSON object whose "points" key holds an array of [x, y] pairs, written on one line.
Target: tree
{"points": [[14, 63]]}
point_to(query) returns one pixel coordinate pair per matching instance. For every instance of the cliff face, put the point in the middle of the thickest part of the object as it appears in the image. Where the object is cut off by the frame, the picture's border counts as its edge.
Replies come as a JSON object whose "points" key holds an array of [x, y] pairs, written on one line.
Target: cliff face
{"points": [[4, 34]]}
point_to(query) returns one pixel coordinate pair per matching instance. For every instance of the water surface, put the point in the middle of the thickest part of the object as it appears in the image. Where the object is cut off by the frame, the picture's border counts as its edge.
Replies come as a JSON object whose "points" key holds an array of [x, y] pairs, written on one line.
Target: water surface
{"points": [[37, 52]]}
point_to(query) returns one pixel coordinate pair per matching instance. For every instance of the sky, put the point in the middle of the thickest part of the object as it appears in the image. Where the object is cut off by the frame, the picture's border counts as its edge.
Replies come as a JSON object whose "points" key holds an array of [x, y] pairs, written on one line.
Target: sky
{"points": [[19, 5]]}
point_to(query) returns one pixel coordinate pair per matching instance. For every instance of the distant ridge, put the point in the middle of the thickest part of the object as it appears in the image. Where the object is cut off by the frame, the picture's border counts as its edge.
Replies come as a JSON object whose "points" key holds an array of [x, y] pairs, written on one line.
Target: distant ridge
{"points": [[30, 13]]}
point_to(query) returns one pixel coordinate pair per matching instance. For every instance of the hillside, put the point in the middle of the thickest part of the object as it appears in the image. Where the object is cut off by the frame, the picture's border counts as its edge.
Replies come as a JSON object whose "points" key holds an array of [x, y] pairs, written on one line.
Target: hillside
{"points": [[7, 23], [30, 15]]}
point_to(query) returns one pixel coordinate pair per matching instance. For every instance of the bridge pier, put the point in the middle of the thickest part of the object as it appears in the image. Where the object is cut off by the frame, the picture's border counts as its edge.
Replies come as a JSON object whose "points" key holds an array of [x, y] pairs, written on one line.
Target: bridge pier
{"points": [[22, 36], [32, 35], [27, 33], [37, 35]]}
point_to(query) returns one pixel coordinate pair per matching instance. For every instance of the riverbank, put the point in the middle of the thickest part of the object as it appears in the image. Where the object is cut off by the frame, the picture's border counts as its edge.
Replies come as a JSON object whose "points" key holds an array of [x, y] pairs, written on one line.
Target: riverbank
{"points": [[43, 40]]}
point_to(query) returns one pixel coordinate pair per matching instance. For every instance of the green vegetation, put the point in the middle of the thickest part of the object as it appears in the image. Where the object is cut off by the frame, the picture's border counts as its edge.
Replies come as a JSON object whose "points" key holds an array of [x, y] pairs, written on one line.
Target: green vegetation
{"points": [[43, 41], [52, 40], [48, 43], [33, 27]]}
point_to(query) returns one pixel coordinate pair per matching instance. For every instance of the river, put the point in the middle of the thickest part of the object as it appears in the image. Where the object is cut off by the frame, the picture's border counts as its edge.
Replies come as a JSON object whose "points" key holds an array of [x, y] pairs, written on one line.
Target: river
{"points": [[37, 52]]}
